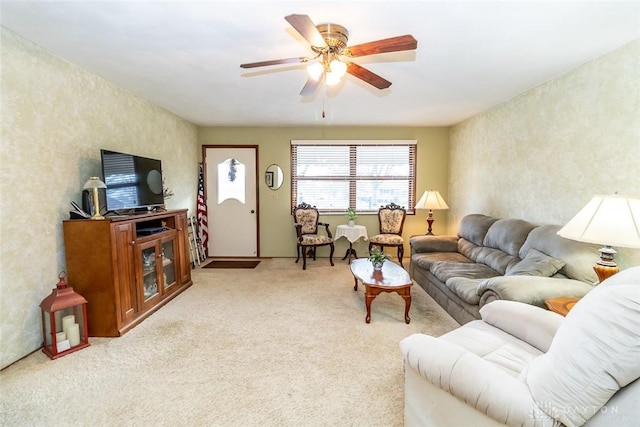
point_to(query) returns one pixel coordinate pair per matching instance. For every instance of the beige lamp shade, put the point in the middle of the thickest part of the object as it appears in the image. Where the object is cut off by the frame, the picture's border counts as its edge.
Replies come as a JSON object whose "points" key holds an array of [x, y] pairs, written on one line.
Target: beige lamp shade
{"points": [[431, 200], [609, 220], [94, 182]]}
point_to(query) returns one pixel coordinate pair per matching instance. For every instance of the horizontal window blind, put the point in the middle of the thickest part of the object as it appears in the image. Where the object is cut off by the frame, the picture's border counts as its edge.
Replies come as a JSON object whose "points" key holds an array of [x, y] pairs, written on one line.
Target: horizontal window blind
{"points": [[335, 175]]}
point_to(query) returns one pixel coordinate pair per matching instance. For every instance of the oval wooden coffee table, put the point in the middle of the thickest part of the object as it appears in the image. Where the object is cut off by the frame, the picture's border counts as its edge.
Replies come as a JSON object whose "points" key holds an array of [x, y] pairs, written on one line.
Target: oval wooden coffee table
{"points": [[392, 278]]}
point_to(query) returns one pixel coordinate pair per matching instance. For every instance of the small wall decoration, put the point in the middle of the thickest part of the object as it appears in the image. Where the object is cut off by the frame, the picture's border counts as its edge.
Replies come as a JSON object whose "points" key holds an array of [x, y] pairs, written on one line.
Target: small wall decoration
{"points": [[268, 177]]}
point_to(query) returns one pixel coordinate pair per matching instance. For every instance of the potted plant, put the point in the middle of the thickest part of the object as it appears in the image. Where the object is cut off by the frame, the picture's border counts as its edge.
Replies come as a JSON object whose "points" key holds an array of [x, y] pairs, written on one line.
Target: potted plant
{"points": [[377, 258], [351, 216]]}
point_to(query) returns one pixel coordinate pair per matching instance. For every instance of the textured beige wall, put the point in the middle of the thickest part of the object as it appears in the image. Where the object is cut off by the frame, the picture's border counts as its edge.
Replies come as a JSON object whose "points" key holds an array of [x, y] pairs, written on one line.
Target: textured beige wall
{"points": [[543, 155], [277, 235], [55, 119]]}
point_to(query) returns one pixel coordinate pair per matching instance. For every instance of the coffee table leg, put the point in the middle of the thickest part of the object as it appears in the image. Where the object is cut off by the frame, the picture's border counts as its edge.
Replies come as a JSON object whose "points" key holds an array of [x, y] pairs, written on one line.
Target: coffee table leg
{"points": [[367, 301], [407, 304], [369, 295], [355, 286]]}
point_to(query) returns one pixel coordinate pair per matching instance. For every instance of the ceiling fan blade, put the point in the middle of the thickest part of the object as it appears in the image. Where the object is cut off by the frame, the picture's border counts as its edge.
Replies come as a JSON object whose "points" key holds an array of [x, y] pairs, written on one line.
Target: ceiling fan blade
{"points": [[273, 62], [303, 25], [393, 44], [311, 86], [367, 76]]}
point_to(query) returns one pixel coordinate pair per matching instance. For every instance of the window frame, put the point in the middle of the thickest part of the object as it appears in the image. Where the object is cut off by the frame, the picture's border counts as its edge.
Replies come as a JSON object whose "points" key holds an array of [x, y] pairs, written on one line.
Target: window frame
{"points": [[352, 178]]}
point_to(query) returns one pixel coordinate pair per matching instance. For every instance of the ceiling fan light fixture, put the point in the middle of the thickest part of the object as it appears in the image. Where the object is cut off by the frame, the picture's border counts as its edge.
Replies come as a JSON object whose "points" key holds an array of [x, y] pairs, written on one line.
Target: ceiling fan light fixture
{"points": [[338, 68], [315, 70], [331, 54], [332, 78]]}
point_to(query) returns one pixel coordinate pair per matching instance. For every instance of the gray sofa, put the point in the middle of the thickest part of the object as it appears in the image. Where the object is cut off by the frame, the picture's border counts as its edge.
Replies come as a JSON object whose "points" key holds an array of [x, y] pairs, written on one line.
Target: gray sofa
{"points": [[500, 259]]}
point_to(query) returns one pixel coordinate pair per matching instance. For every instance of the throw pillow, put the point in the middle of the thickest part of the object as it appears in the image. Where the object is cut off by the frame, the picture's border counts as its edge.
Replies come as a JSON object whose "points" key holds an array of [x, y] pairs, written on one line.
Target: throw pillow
{"points": [[536, 263]]}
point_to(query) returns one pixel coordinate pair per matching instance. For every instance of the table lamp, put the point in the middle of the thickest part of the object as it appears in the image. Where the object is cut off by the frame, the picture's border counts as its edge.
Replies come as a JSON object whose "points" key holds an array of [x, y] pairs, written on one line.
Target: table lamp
{"points": [[431, 200], [95, 183], [609, 220]]}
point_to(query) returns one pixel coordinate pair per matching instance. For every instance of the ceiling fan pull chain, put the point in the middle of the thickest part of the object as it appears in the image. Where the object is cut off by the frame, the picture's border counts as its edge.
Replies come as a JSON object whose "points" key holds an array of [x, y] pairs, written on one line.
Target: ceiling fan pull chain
{"points": [[324, 93], [323, 106]]}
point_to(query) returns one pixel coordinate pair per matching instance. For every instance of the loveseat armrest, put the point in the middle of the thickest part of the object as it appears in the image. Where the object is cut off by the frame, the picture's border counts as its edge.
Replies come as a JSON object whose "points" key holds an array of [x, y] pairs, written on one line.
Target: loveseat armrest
{"points": [[423, 244], [471, 379], [532, 290], [533, 325]]}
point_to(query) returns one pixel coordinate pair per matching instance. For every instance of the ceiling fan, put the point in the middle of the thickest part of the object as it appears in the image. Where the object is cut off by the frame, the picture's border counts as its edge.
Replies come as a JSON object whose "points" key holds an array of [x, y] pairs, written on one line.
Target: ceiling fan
{"points": [[331, 58]]}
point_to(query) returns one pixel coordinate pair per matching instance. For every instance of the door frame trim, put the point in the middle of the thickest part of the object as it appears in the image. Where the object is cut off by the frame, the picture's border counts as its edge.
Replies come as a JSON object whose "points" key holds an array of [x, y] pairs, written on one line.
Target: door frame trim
{"points": [[257, 185]]}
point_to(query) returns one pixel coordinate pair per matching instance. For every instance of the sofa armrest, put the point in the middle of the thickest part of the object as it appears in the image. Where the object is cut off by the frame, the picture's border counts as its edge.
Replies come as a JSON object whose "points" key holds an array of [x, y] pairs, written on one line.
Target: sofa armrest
{"points": [[422, 244], [532, 290], [533, 325], [470, 379]]}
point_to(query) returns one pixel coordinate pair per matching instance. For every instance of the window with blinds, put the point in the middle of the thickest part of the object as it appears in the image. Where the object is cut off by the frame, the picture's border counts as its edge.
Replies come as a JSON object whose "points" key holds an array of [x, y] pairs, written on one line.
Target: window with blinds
{"points": [[335, 175]]}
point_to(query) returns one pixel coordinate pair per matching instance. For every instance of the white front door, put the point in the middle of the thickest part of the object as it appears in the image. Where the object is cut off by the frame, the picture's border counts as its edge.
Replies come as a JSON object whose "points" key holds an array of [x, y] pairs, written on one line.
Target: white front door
{"points": [[232, 209]]}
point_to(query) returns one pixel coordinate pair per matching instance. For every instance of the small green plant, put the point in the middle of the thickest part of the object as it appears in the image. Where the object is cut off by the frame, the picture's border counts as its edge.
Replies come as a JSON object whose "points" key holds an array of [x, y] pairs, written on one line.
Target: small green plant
{"points": [[376, 255], [351, 214]]}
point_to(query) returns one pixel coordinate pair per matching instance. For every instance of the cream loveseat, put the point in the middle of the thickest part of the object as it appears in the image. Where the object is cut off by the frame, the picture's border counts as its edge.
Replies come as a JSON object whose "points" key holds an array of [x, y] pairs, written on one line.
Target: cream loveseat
{"points": [[500, 259], [522, 365]]}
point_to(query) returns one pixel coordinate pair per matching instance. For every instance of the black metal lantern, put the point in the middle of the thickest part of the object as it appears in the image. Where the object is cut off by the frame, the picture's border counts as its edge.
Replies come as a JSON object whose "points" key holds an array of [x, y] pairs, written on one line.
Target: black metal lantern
{"points": [[64, 321]]}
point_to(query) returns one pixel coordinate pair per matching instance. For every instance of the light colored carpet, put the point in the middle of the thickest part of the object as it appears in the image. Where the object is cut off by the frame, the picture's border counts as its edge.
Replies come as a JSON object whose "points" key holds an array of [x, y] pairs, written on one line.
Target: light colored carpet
{"points": [[274, 345]]}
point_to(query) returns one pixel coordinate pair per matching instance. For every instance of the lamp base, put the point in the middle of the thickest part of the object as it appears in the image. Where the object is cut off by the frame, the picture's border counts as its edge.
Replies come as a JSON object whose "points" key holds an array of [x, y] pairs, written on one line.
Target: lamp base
{"points": [[430, 222], [96, 205], [605, 271], [606, 266]]}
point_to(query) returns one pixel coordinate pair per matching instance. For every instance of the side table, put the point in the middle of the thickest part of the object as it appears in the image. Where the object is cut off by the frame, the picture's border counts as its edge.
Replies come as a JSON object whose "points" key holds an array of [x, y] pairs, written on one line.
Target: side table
{"points": [[351, 233], [561, 305]]}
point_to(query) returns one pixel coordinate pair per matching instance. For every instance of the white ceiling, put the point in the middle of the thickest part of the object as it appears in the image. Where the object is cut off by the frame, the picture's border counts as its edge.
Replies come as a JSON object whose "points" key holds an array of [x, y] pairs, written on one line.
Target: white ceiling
{"points": [[184, 56]]}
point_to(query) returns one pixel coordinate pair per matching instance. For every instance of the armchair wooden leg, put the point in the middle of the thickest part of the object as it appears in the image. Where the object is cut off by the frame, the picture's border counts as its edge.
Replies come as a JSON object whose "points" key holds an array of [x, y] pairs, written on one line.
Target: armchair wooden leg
{"points": [[304, 258], [298, 251], [400, 255], [331, 255]]}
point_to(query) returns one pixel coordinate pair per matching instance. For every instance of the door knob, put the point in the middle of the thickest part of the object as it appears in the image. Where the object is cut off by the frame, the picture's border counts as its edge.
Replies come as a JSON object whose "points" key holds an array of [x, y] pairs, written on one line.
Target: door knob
{"points": [[252, 211]]}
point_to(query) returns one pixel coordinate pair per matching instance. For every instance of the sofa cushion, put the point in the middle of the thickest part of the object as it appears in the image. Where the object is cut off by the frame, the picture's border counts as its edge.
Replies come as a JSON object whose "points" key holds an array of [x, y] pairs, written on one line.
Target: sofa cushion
{"points": [[426, 260], [594, 353], [579, 257], [536, 263], [445, 270], [465, 289], [474, 227], [508, 235], [495, 258], [468, 249]]}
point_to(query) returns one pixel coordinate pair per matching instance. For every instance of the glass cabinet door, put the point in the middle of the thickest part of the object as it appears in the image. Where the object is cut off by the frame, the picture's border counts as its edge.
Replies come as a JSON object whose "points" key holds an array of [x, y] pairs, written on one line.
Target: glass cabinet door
{"points": [[168, 263], [149, 272]]}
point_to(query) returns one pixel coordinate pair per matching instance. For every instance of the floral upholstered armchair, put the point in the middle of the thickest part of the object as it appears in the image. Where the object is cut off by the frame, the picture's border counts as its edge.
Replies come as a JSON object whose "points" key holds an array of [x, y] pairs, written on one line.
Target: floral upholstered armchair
{"points": [[391, 219], [306, 221]]}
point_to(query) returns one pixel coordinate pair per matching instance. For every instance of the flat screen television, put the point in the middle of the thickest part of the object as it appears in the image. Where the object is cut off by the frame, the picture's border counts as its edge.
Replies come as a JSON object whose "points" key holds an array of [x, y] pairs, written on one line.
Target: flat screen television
{"points": [[133, 182]]}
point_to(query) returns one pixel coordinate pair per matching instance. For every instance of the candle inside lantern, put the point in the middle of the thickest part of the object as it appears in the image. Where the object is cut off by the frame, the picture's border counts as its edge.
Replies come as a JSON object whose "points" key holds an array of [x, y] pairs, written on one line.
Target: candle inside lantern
{"points": [[61, 336], [73, 333], [68, 321]]}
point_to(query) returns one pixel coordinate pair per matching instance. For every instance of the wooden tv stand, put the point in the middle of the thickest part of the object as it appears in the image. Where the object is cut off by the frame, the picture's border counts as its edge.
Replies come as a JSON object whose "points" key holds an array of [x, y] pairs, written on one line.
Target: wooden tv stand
{"points": [[127, 267]]}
